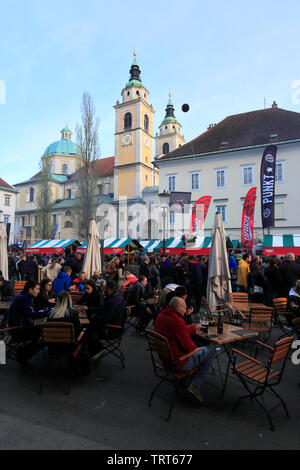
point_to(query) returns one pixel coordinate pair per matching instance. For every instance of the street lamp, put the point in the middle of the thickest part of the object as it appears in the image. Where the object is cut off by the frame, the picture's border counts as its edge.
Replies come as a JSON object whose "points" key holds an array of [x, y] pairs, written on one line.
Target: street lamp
{"points": [[164, 202]]}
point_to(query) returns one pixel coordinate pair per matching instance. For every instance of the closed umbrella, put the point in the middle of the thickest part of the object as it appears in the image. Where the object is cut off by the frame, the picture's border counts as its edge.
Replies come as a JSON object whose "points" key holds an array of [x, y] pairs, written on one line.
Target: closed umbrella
{"points": [[92, 260], [218, 280], [3, 251]]}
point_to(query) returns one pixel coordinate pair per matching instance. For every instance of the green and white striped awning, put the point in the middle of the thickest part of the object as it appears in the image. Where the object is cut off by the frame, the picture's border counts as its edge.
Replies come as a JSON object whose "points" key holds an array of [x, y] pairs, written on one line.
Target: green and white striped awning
{"points": [[281, 244], [51, 246], [114, 245]]}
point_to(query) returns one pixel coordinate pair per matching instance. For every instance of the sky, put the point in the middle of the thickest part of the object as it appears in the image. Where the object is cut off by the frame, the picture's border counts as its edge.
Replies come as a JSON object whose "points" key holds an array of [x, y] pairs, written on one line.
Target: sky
{"points": [[221, 58]]}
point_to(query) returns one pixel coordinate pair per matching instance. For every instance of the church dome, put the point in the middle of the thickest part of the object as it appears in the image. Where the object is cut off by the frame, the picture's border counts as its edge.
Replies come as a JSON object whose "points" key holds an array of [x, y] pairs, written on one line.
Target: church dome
{"points": [[65, 146]]}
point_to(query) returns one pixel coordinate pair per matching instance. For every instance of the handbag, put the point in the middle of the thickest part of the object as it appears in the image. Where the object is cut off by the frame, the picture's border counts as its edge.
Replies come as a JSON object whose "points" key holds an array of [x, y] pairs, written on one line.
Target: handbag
{"points": [[256, 289]]}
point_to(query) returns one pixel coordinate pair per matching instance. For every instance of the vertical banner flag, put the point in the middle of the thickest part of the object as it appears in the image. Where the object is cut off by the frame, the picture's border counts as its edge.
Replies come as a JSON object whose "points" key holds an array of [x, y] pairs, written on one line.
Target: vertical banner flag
{"points": [[53, 233], [267, 185], [248, 221], [199, 213]]}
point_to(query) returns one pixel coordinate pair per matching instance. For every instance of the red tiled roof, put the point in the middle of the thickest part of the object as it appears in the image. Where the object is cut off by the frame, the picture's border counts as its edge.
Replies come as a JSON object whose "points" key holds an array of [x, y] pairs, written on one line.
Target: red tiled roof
{"points": [[4, 184], [103, 167], [244, 130]]}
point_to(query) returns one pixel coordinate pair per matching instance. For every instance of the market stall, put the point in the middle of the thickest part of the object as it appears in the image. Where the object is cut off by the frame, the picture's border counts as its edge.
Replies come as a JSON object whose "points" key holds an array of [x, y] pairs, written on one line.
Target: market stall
{"points": [[53, 246], [280, 245], [115, 246]]}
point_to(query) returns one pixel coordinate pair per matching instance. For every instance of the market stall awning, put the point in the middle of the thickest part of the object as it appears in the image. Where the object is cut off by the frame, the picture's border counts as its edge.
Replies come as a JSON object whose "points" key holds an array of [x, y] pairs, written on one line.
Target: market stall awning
{"points": [[51, 246], [202, 246], [281, 244], [114, 245], [174, 246], [151, 246]]}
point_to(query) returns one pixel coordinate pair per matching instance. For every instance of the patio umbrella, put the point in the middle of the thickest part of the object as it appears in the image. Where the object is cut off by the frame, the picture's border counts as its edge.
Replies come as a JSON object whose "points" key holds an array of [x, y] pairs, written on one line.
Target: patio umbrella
{"points": [[92, 260], [218, 280], [3, 251]]}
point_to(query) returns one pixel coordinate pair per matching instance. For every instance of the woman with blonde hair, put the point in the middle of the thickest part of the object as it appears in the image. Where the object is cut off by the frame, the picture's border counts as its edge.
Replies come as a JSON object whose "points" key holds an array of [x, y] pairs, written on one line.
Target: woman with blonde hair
{"points": [[64, 312], [52, 269]]}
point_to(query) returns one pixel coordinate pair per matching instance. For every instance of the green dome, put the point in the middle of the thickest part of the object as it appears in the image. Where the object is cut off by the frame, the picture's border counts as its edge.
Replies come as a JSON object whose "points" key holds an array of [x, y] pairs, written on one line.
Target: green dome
{"points": [[62, 147], [169, 119], [134, 83]]}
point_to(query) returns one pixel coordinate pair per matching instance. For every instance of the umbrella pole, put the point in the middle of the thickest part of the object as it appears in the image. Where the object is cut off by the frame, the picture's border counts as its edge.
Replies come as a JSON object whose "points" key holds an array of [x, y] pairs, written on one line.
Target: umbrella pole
{"points": [[102, 255], [128, 254]]}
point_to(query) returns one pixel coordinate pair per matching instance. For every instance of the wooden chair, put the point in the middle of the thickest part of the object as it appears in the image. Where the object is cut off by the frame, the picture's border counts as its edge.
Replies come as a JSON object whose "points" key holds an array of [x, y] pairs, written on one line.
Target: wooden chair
{"points": [[214, 310], [19, 287], [56, 335], [261, 320], [258, 378], [75, 296], [13, 343], [241, 297], [164, 367], [280, 309], [111, 344]]}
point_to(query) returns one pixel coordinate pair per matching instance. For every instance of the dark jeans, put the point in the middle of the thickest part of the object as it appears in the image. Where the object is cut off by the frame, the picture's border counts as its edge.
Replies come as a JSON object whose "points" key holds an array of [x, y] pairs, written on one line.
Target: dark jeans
{"points": [[30, 337]]}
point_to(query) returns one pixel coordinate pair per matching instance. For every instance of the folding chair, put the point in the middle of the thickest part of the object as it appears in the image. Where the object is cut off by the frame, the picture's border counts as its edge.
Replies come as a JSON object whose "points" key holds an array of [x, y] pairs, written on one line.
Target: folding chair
{"points": [[131, 318], [241, 297], [261, 320], [215, 310], [19, 287], [13, 343], [280, 309], [59, 338], [111, 344], [164, 367], [258, 378]]}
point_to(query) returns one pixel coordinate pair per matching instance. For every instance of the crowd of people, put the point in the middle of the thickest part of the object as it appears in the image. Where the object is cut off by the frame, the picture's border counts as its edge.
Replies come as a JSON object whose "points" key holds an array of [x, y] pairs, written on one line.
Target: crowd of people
{"points": [[175, 283]]}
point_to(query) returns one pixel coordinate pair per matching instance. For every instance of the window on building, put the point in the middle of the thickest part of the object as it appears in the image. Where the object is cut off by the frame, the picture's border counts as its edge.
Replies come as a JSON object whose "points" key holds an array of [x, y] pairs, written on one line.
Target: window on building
{"points": [[68, 224], [100, 189], [247, 175], [279, 172], [172, 217], [127, 121], [172, 183], [137, 92], [6, 219], [23, 222], [166, 147], [220, 178], [68, 213], [69, 193], [146, 123], [195, 181], [106, 188], [31, 194], [54, 219], [7, 200], [65, 169], [222, 210], [128, 93]]}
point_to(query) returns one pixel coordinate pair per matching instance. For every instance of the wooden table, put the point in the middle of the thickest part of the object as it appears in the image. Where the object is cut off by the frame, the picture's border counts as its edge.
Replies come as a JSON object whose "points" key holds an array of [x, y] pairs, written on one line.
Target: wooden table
{"points": [[83, 318], [226, 339], [242, 308]]}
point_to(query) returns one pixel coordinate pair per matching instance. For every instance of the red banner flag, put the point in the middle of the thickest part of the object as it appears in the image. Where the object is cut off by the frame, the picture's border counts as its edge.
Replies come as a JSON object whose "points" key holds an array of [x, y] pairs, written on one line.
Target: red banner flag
{"points": [[248, 220], [199, 213]]}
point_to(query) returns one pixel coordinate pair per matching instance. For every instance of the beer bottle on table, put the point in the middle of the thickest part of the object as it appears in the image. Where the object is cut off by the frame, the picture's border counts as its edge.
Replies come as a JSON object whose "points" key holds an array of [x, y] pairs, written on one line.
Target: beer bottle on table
{"points": [[220, 325]]}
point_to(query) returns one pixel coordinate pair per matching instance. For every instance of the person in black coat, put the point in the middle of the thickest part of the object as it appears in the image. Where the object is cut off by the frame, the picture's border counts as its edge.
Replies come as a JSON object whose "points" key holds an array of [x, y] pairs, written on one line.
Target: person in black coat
{"points": [[46, 297], [257, 284], [195, 284], [289, 274], [272, 276], [92, 301]]}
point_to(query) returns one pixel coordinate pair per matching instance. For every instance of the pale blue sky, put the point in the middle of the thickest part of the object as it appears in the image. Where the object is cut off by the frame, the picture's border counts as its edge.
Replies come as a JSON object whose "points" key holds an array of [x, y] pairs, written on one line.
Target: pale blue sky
{"points": [[220, 57]]}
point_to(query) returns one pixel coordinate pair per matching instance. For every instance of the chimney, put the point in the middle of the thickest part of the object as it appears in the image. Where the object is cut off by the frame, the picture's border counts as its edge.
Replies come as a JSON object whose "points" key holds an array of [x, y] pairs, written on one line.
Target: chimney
{"points": [[274, 105]]}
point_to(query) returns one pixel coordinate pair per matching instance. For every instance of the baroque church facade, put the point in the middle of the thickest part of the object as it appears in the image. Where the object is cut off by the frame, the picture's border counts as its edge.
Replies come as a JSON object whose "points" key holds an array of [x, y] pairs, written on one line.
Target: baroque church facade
{"points": [[127, 183]]}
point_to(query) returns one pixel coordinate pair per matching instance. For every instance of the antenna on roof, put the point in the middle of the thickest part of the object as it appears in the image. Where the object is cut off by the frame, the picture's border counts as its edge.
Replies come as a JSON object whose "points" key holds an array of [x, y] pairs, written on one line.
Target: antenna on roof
{"points": [[264, 103]]}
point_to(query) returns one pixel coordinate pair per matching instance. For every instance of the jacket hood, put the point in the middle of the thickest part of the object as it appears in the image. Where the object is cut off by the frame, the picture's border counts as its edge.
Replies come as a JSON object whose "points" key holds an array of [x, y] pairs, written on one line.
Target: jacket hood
{"points": [[62, 275]]}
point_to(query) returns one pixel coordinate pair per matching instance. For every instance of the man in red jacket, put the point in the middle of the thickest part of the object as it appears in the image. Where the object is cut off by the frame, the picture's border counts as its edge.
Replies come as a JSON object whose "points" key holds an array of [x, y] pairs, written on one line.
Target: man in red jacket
{"points": [[170, 323]]}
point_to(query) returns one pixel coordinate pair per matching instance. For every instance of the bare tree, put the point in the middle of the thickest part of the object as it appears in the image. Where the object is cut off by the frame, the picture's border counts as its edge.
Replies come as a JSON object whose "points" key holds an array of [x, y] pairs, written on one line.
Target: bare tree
{"points": [[43, 201], [87, 141]]}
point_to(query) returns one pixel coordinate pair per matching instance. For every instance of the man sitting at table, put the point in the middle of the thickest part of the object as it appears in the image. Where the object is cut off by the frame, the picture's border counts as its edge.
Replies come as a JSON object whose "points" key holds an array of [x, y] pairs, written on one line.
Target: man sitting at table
{"points": [[170, 323], [22, 313]]}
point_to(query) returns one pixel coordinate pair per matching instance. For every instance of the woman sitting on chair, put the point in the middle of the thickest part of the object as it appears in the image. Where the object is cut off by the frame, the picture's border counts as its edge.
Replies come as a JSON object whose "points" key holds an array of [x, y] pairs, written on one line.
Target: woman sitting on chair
{"points": [[46, 297], [64, 312]]}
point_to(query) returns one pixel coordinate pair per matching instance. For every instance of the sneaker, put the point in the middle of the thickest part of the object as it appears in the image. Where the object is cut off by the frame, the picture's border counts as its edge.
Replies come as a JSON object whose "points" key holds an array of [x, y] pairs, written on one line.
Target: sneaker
{"points": [[194, 390]]}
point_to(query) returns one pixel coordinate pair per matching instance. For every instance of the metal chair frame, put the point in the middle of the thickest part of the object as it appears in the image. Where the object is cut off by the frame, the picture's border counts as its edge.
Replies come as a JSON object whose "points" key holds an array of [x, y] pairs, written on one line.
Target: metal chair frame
{"points": [[168, 375], [258, 379]]}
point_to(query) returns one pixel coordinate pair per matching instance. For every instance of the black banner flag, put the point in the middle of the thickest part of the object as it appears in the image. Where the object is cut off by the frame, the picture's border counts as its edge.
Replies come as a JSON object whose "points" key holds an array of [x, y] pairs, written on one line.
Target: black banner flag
{"points": [[267, 186]]}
